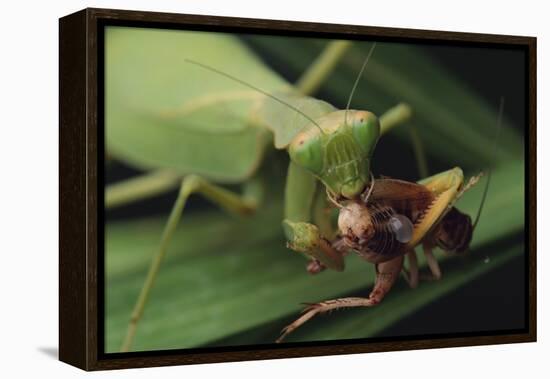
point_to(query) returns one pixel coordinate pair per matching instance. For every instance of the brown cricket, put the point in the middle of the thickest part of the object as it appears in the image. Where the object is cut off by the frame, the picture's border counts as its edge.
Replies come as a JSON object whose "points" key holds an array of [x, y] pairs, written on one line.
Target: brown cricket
{"points": [[387, 222]]}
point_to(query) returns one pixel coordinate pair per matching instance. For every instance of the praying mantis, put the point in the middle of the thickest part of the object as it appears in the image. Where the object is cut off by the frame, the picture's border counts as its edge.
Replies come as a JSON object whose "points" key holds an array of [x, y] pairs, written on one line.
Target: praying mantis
{"points": [[329, 149]]}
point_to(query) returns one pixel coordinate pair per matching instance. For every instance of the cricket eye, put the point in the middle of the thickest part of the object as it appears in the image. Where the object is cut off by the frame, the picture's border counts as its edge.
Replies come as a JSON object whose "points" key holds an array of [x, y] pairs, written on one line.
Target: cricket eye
{"points": [[307, 152], [366, 130], [402, 228]]}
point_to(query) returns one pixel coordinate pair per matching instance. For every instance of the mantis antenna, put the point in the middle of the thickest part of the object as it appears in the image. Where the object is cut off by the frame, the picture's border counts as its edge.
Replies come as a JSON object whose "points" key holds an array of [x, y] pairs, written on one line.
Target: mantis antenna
{"points": [[499, 127], [254, 88], [357, 81], [366, 197]]}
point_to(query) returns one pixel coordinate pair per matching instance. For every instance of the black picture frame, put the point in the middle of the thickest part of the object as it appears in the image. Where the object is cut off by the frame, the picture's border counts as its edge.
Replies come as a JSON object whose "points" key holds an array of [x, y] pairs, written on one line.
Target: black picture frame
{"points": [[81, 187]]}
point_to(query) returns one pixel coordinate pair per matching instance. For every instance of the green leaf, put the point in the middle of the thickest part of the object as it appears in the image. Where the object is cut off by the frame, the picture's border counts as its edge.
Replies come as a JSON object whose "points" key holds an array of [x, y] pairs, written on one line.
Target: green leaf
{"points": [[224, 276], [229, 281], [403, 301], [163, 112]]}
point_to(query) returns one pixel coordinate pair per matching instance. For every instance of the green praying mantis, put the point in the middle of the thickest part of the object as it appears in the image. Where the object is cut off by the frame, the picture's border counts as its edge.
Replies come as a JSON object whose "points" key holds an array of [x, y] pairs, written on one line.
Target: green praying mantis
{"points": [[330, 150]]}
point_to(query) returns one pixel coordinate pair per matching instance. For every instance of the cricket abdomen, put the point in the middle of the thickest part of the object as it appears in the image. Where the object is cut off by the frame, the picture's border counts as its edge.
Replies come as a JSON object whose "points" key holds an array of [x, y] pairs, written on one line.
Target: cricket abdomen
{"points": [[454, 232]]}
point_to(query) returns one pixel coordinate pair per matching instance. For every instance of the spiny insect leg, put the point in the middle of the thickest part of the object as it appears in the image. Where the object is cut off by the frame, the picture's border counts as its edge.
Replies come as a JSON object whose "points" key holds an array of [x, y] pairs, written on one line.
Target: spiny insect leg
{"points": [[387, 273], [325, 306]]}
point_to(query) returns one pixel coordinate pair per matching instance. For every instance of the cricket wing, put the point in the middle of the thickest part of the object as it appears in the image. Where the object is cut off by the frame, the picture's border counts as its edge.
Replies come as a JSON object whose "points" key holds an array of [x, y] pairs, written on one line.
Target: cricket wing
{"points": [[406, 198], [424, 204], [445, 186]]}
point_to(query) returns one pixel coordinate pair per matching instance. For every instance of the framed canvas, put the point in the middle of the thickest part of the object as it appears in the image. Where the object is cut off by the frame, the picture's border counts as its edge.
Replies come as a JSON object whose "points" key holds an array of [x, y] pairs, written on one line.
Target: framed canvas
{"points": [[227, 184]]}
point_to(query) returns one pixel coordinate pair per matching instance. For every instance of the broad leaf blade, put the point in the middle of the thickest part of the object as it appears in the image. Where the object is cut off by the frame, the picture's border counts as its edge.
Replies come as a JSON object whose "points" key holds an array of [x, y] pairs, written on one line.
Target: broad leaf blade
{"points": [[211, 288], [403, 301], [162, 111]]}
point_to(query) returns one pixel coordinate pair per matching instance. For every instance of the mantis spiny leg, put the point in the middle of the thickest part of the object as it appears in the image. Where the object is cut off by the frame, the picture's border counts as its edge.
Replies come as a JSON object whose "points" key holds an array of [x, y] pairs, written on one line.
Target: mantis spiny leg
{"points": [[394, 116], [140, 187], [419, 153], [397, 115], [226, 199]]}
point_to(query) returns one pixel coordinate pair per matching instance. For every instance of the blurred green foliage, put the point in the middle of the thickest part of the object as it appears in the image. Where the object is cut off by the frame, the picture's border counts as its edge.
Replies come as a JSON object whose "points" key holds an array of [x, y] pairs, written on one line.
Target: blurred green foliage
{"points": [[231, 281]]}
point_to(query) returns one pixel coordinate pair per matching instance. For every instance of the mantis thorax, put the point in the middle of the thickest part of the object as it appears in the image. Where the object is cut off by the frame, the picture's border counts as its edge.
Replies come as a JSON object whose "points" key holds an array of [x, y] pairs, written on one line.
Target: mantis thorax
{"points": [[338, 153]]}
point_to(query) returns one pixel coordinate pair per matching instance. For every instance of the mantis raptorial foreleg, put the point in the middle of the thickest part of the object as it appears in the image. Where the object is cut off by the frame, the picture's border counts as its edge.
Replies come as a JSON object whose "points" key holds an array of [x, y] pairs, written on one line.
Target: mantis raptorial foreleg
{"points": [[445, 187], [315, 239], [302, 235], [305, 238], [230, 201]]}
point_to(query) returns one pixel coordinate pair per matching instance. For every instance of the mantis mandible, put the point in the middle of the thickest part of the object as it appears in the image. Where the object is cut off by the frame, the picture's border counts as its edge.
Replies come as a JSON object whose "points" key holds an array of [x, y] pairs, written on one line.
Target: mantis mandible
{"points": [[328, 148]]}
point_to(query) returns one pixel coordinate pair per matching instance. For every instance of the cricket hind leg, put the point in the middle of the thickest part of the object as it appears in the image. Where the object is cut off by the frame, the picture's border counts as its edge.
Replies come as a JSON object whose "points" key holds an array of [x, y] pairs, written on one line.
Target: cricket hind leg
{"points": [[433, 265], [386, 275], [192, 184], [411, 275]]}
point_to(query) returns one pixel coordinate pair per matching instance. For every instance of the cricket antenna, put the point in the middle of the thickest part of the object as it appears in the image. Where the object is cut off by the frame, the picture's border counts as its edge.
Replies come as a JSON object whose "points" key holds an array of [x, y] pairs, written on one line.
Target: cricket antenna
{"points": [[209, 68], [484, 196], [357, 81]]}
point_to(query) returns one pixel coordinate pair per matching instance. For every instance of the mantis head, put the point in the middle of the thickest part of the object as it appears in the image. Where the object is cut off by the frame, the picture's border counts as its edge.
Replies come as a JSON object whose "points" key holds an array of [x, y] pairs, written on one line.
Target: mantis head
{"points": [[338, 152]]}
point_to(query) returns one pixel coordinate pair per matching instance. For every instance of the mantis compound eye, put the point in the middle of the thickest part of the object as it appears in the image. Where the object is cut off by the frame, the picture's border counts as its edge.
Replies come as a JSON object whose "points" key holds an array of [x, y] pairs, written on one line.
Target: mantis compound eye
{"points": [[366, 130], [402, 228], [306, 150]]}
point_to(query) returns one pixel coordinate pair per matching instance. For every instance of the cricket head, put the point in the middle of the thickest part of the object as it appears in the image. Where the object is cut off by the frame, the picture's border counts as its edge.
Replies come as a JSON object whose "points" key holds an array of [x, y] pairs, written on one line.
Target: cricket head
{"points": [[339, 152]]}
